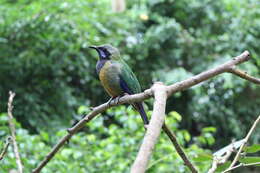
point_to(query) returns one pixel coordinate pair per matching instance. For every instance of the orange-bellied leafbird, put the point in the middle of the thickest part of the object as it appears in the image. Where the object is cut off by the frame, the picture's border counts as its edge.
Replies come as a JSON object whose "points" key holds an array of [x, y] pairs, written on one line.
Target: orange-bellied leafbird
{"points": [[117, 77]]}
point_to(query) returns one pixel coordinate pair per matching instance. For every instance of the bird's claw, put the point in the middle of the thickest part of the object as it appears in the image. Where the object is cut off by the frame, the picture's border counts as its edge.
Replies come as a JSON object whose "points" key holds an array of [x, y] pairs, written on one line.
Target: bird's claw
{"points": [[125, 94], [116, 99], [146, 126]]}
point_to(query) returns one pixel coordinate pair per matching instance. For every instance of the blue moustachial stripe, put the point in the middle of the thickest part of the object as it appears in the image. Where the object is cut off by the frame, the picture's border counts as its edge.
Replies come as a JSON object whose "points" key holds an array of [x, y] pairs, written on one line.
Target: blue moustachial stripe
{"points": [[99, 65]]}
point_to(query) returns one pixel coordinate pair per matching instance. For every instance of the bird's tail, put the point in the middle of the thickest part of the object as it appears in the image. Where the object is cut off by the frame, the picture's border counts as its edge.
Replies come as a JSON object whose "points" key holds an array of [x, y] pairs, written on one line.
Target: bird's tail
{"points": [[139, 107]]}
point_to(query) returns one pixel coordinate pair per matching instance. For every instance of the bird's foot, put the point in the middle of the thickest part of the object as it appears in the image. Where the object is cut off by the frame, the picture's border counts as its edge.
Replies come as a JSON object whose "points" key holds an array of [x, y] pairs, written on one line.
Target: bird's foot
{"points": [[115, 99], [125, 94]]}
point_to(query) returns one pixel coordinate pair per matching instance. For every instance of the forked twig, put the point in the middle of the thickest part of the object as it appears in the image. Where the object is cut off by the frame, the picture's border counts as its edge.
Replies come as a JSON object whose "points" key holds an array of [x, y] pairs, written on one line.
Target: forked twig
{"points": [[13, 132], [244, 143]]}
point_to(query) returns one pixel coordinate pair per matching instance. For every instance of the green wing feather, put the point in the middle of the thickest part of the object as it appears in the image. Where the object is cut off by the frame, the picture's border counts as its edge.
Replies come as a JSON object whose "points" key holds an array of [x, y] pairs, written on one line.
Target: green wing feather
{"points": [[129, 77]]}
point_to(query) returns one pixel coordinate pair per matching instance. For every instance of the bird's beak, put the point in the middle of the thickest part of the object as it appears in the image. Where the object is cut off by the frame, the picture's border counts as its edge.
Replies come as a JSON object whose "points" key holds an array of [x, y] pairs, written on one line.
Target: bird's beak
{"points": [[93, 47]]}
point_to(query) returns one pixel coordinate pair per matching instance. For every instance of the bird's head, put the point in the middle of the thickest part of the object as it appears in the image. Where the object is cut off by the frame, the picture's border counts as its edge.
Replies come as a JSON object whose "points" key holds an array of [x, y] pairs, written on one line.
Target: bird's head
{"points": [[107, 51]]}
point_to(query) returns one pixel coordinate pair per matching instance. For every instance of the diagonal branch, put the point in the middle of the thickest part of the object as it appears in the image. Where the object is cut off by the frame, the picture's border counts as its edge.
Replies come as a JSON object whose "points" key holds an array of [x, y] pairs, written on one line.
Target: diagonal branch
{"points": [[222, 155], [244, 143], [179, 86], [220, 160], [242, 165], [244, 75], [153, 131], [97, 110], [178, 148], [13, 132], [171, 89], [4, 150]]}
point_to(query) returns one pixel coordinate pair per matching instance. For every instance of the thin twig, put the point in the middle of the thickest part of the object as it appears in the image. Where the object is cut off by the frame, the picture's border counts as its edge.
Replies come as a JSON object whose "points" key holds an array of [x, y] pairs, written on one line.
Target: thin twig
{"points": [[178, 148], [220, 160], [153, 131], [13, 132], [241, 165], [244, 75], [222, 155], [4, 151], [97, 110], [244, 143], [179, 86]]}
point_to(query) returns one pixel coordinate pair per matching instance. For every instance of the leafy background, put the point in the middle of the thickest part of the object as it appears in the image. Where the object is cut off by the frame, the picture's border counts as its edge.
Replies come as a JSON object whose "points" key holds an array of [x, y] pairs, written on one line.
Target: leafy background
{"points": [[44, 59]]}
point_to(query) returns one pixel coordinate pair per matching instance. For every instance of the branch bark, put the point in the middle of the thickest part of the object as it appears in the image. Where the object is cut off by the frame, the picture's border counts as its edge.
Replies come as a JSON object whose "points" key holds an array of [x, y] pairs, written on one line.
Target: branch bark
{"points": [[4, 150], [13, 132], [244, 75], [222, 155], [179, 149], [244, 143], [241, 165], [220, 160], [179, 86], [153, 131]]}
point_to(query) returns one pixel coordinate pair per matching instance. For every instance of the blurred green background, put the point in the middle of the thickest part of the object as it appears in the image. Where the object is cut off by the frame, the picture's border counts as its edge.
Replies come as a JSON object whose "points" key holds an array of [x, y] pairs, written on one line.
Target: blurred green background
{"points": [[45, 60]]}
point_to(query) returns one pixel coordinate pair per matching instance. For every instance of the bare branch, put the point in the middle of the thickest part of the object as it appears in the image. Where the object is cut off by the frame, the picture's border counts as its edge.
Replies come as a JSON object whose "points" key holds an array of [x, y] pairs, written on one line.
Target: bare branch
{"points": [[178, 148], [220, 160], [13, 132], [4, 151], [241, 165], [222, 155], [153, 130], [208, 74], [97, 110], [179, 86], [244, 143], [244, 75]]}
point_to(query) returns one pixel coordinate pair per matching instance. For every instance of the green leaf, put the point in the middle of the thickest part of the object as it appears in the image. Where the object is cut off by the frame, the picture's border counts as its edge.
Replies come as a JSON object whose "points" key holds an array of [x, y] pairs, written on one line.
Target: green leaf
{"points": [[253, 148], [83, 109], [186, 135], [203, 157], [223, 166], [175, 115], [249, 160], [209, 129]]}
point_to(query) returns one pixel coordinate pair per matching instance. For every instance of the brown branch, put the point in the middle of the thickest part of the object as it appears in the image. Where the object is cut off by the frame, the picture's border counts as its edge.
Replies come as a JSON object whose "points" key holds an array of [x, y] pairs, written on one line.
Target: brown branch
{"points": [[4, 151], [153, 130], [178, 148], [179, 86], [244, 143], [244, 75], [97, 110], [220, 160], [222, 155], [13, 132], [241, 165]]}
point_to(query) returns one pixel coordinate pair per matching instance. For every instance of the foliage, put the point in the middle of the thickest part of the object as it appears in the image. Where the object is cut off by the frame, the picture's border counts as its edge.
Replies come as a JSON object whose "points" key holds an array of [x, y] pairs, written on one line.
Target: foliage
{"points": [[103, 148], [44, 59], [183, 38]]}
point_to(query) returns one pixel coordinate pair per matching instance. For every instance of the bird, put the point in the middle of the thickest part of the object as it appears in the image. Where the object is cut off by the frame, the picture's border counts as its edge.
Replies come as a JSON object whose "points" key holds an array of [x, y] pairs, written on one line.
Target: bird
{"points": [[116, 76]]}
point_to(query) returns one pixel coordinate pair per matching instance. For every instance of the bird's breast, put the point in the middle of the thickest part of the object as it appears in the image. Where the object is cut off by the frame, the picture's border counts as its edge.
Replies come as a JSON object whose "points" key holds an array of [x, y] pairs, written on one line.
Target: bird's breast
{"points": [[109, 77]]}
